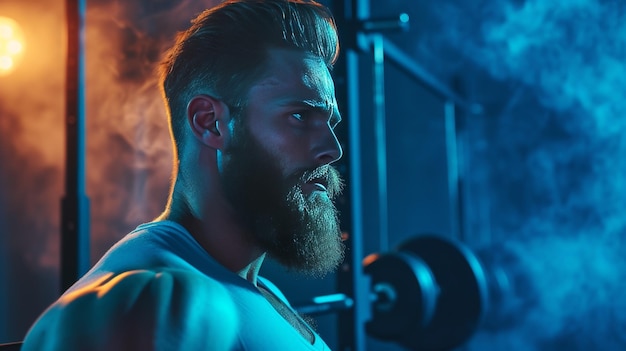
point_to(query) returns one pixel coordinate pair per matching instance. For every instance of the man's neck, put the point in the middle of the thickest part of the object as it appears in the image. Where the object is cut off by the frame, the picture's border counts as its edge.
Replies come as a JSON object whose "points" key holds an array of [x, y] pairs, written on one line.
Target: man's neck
{"points": [[216, 229]]}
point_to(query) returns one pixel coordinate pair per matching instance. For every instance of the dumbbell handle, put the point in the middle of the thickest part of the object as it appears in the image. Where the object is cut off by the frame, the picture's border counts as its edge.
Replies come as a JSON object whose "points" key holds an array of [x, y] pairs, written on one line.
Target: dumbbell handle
{"points": [[325, 304]]}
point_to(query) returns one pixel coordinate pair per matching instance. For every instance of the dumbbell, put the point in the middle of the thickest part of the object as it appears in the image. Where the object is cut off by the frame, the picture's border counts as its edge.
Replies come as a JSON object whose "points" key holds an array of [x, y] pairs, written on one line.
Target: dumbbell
{"points": [[450, 302], [429, 294]]}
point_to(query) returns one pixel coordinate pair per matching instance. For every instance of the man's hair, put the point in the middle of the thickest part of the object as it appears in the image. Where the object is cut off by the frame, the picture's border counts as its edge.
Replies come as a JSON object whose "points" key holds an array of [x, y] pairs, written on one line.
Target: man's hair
{"points": [[225, 51]]}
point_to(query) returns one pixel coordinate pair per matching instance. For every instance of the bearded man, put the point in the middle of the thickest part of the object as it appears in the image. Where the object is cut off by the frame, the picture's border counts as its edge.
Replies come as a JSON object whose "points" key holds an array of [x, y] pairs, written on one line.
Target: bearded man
{"points": [[252, 112]]}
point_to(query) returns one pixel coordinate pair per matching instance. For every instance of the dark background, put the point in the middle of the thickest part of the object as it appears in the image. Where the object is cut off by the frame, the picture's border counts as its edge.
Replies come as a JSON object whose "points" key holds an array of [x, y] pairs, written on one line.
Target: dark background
{"points": [[543, 167]]}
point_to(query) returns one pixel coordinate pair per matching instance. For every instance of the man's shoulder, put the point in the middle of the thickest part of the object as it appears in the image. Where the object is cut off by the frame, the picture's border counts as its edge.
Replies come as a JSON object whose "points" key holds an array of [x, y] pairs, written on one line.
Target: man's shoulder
{"points": [[152, 246], [140, 309], [138, 284]]}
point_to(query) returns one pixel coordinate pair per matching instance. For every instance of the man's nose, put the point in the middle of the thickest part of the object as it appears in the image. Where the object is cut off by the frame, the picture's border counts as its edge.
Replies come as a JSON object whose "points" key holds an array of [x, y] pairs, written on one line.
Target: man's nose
{"points": [[328, 149]]}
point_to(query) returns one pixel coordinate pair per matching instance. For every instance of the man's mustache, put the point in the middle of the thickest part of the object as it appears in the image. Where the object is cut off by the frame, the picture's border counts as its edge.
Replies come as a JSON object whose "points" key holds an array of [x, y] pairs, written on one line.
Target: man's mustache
{"points": [[325, 175]]}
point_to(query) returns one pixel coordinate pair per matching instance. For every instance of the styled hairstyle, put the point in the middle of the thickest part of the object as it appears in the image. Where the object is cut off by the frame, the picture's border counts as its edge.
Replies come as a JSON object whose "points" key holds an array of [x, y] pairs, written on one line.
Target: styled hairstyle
{"points": [[225, 51]]}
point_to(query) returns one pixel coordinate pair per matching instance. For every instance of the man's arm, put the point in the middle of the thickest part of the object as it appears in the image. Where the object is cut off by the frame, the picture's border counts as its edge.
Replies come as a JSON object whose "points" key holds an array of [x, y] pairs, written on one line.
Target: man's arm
{"points": [[140, 310]]}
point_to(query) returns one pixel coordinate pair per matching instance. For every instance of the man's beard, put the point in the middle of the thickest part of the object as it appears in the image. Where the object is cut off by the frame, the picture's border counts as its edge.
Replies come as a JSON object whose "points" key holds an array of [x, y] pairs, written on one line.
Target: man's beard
{"points": [[299, 231]]}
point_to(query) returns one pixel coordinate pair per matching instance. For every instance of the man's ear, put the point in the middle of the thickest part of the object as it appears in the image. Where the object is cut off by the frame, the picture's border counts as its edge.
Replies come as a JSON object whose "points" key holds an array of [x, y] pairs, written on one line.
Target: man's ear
{"points": [[208, 118]]}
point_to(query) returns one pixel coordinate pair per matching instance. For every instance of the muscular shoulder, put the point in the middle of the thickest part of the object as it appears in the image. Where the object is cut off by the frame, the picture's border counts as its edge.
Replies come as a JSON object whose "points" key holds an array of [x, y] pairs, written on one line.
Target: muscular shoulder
{"points": [[140, 310]]}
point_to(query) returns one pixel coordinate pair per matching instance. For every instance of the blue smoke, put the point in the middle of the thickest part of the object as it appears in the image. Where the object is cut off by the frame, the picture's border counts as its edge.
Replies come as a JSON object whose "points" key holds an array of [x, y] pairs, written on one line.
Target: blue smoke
{"points": [[567, 160]]}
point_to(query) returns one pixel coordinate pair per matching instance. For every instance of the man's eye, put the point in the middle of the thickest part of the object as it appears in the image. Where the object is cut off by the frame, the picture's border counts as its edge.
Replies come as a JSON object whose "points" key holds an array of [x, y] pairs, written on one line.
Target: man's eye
{"points": [[299, 116]]}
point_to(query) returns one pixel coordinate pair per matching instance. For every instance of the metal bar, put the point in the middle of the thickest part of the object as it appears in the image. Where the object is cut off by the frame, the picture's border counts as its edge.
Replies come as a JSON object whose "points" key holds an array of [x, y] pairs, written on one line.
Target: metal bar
{"points": [[5, 247], [380, 124], [377, 25], [75, 204], [325, 304], [405, 63], [360, 284], [453, 169]]}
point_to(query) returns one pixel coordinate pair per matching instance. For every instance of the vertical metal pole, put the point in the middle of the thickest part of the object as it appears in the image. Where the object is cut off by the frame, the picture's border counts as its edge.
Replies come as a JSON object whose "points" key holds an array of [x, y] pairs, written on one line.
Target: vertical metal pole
{"points": [[381, 139], [351, 279], [5, 248], [75, 204], [456, 227]]}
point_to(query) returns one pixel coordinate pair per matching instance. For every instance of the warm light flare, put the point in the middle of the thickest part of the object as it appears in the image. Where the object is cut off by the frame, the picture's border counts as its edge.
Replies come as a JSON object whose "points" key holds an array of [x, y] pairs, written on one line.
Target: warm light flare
{"points": [[14, 47], [6, 63], [11, 45]]}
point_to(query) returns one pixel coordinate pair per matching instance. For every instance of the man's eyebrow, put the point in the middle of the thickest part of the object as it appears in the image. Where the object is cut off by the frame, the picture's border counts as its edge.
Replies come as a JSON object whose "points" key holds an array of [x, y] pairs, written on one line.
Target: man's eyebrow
{"points": [[317, 106], [309, 104]]}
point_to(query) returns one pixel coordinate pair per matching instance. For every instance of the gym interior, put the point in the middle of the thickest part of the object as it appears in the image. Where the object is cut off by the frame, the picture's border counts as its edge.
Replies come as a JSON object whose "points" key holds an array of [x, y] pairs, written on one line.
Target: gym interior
{"points": [[484, 155]]}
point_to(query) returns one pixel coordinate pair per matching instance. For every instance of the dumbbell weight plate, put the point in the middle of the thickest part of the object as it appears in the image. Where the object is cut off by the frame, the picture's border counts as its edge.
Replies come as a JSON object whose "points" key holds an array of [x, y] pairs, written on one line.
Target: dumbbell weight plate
{"points": [[405, 295], [461, 304]]}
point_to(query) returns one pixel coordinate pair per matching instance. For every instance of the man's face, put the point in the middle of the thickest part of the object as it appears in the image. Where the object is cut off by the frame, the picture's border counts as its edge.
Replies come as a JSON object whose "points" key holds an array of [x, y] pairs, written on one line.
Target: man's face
{"points": [[276, 171]]}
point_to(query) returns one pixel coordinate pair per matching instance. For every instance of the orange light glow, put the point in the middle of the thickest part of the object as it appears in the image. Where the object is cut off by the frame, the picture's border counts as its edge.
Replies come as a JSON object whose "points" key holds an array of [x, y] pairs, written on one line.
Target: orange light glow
{"points": [[11, 45], [369, 259]]}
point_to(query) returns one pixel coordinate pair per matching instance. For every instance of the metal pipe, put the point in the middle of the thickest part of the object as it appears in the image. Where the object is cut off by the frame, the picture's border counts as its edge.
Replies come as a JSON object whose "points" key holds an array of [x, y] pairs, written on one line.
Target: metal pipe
{"points": [[75, 204], [405, 63], [380, 124], [325, 304], [456, 225]]}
